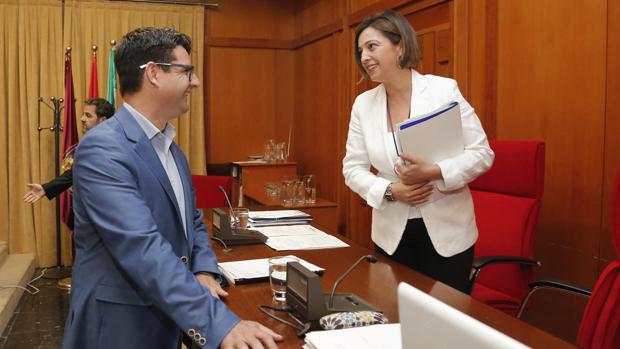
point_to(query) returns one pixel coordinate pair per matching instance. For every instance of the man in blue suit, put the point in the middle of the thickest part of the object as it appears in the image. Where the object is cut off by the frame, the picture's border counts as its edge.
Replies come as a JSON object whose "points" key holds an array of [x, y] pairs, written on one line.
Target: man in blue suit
{"points": [[144, 268]]}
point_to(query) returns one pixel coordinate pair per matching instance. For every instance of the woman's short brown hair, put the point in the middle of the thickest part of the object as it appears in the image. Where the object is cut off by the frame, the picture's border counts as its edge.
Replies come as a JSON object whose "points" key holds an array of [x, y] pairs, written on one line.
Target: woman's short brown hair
{"points": [[397, 29]]}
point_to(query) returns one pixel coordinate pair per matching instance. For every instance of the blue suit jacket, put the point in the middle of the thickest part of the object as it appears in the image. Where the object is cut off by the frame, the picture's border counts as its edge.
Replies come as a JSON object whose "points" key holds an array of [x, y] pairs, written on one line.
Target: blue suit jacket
{"points": [[133, 277]]}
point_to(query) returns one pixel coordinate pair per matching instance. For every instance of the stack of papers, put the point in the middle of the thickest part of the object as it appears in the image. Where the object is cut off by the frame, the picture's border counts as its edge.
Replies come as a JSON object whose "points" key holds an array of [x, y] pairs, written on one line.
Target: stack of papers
{"points": [[368, 337], [299, 237], [253, 270], [281, 217]]}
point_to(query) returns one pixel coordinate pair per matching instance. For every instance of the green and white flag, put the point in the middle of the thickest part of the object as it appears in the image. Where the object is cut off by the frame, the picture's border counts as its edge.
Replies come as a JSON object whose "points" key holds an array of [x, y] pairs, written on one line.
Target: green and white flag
{"points": [[111, 96]]}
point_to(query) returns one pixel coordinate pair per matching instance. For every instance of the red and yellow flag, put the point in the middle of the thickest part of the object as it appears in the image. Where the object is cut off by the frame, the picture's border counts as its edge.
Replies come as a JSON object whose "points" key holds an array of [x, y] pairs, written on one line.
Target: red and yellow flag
{"points": [[69, 140], [93, 89]]}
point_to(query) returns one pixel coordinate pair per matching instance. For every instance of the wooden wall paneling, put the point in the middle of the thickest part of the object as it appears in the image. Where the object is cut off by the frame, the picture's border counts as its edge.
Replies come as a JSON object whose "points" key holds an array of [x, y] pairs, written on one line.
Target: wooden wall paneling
{"points": [[314, 14], [242, 96], [443, 53], [433, 25], [206, 83], [315, 138], [612, 129], [344, 50], [428, 17], [482, 62], [458, 37], [317, 34], [402, 6], [284, 94], [251, 43], [255, 19], [427, 46], [357, 5], [546, 92], [477, 53]]}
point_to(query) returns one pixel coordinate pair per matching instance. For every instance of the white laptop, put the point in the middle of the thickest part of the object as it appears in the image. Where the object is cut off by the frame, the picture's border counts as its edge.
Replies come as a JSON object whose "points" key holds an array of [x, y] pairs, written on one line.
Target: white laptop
{"points": [[429, 323]]}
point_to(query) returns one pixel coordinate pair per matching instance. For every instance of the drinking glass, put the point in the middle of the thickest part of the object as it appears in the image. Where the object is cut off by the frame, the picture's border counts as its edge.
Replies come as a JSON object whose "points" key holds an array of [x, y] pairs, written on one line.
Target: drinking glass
{"points": [[239, 217], [277, 276], [309, 183], [287, 192]]}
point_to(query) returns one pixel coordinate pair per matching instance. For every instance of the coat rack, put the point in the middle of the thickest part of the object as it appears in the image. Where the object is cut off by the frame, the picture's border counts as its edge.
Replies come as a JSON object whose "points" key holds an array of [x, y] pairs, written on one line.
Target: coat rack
{"points": [[56, 106]]}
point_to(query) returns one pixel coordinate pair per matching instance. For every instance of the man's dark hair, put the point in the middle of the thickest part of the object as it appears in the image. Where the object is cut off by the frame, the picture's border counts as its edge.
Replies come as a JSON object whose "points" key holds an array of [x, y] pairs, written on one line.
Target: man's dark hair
{"points": [[103, 108], [145, 45]]}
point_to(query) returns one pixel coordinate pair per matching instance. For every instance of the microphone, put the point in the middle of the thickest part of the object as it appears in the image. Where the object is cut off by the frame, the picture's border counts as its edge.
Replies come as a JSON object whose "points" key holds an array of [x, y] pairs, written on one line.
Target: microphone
{"points": [[232, 233], [226, 196], [234, 219], [370, 258]]}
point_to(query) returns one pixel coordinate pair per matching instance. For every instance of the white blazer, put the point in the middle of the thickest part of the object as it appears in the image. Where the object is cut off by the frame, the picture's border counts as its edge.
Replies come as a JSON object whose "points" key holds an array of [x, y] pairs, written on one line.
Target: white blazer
{"points": [[449, 214]]}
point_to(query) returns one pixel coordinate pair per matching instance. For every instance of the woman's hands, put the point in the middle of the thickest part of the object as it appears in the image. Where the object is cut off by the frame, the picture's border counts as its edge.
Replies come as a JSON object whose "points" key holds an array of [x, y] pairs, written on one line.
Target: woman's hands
{"points": [[416, 170], [415, 175], [412, 194]]}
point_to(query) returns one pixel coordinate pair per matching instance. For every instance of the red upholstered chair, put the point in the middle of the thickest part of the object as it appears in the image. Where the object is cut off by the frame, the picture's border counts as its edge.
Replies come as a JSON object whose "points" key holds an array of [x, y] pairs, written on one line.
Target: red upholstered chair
{"points": [[600, 323], [507, 201], [208, 194]]}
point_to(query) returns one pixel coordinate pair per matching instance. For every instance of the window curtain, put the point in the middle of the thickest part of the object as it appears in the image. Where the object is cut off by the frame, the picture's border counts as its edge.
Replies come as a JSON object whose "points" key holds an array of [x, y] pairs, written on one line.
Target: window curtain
{"points": [[89, 23], [35, 34], [31, 66]]}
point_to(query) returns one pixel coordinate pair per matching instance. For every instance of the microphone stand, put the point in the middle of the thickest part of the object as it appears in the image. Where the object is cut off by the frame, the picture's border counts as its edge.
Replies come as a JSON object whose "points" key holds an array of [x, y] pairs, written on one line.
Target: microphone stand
{"points": [[369, 258], [58, 272]]}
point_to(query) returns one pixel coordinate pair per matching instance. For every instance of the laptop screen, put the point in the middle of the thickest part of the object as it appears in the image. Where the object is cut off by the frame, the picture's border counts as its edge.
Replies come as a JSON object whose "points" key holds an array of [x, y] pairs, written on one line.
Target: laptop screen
{"points": [[429, 323]]}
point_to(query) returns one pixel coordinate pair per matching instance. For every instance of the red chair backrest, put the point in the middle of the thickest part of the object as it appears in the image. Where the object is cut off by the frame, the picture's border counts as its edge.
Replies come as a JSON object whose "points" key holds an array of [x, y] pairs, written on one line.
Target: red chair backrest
{"points": [[208, 194], [600, 324], [507, 201]]}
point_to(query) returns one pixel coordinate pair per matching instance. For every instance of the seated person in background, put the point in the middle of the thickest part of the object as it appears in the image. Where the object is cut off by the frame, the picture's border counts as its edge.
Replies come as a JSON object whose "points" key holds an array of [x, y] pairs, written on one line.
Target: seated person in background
{"points": [[434, 235]]}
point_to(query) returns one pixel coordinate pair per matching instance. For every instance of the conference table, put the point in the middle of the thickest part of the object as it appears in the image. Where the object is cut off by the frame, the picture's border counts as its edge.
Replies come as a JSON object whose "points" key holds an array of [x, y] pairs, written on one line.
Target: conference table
{"points": [[375, 283]]}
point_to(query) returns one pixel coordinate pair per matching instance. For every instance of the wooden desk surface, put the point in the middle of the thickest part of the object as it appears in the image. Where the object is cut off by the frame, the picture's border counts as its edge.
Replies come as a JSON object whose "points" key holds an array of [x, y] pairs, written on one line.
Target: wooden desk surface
{"points": [[375, 283]]}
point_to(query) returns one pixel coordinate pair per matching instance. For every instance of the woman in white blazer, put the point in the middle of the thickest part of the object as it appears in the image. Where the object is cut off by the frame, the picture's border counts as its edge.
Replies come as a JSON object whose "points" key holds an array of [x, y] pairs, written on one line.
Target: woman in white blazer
{"points": [[423, 214]]}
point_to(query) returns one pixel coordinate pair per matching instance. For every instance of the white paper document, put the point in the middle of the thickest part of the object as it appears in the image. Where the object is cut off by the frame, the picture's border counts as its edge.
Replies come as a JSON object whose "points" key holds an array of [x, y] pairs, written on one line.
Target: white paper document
{"points": [[433, 137], [281, 217], [305, 242], [281, 214], [252, 270], [292, 230], [299, 237], [368, 337]]}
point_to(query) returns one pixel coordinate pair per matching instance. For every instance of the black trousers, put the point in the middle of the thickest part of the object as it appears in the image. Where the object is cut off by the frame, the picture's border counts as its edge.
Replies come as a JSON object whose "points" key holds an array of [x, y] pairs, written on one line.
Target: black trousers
{"points": [[416, 251]]}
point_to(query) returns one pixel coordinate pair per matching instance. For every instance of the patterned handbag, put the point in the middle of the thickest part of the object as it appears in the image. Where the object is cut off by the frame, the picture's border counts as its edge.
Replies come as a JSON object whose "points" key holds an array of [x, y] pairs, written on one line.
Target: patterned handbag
{"points": [[339, 321]]}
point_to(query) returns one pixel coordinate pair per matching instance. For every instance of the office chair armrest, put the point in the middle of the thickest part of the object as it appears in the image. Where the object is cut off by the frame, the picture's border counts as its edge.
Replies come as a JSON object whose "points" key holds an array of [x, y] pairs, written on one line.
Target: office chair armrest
{"points": [[484, 261], [551, 284], [559, 285]]}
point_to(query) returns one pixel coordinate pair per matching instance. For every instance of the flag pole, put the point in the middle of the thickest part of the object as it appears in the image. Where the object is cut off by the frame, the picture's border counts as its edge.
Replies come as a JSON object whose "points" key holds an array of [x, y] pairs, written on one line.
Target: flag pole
{"points": [[111, 89]]}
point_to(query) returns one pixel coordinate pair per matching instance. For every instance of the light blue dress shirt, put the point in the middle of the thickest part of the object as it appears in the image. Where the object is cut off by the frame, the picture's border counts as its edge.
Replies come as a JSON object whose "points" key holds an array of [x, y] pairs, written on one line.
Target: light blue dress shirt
{"points": [[161, 142]]}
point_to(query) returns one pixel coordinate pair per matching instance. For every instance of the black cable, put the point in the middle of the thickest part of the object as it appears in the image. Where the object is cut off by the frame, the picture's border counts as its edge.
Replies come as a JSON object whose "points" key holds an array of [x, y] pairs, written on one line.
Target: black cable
{"points": [[225, 248], [286, 309]]}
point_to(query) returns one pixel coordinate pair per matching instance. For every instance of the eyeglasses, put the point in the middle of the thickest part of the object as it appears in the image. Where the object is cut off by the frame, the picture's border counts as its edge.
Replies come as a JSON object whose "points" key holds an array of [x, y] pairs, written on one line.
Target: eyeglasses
{"points": [[188, 69]]}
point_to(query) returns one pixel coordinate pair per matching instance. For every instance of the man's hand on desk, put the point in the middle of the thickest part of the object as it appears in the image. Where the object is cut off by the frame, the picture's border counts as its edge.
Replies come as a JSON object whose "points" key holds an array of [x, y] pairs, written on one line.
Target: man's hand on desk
{"points": [[209, 282], [250, 334]]}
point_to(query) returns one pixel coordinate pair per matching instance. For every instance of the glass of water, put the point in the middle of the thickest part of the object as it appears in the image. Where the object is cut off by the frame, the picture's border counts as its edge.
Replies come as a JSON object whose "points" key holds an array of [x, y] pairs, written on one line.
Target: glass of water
{"points": [[277, 276], [239, 217], [309, 183]]}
